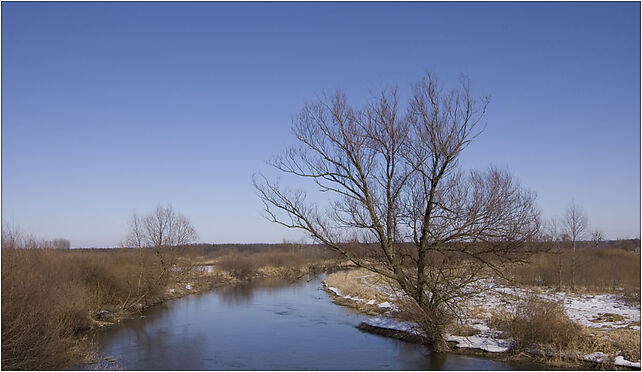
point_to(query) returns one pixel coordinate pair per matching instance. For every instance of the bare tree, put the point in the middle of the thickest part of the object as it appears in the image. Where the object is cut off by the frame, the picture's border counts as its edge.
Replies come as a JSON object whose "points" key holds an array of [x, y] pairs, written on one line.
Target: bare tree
{"points": [[396, 185], [135, 235], [575, 225], [163, 230], [597, 238], [554, 236], [12, 237]]}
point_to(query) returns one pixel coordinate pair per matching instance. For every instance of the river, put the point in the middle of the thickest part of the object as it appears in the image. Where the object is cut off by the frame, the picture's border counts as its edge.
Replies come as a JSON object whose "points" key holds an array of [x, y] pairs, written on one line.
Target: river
{"points": [[266, 326]]}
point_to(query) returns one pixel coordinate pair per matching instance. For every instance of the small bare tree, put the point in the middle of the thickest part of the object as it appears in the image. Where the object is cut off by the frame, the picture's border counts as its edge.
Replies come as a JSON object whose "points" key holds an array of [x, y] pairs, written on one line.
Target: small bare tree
{"points": [[12, 237], [553, 236], [163, 230], [436, 229], [575, 225], [597, 238]]}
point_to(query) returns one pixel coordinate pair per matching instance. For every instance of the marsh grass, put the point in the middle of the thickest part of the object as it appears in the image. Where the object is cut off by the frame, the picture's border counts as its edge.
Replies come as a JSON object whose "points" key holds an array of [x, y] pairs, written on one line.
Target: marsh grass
{"points": [[359, 283], [273, 263], [50, 297], [612, 270]]}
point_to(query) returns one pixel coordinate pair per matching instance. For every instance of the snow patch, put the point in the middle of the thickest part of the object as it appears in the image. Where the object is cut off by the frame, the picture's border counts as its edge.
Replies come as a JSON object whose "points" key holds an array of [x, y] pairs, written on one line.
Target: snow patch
{"points": [[489, 344], [597, 357], [334, 290], [620, 361], [393, 324], [385, 305]]}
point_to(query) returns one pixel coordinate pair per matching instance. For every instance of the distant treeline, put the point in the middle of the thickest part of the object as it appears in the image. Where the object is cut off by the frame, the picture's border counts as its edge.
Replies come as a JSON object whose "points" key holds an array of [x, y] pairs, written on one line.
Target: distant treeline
{"points": [[216, 250]]}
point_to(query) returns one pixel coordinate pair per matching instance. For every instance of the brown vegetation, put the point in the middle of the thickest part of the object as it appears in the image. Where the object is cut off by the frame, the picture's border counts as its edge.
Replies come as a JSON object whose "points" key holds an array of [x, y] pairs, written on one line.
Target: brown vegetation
{"points": [[536, 323], [612, 270], [542, 328], [50, 298], [276, 263]]}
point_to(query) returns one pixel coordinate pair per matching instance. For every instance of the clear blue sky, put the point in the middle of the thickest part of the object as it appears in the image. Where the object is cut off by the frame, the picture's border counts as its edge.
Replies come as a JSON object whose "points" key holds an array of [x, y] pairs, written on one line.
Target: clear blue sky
{"points": [[111, 107]]}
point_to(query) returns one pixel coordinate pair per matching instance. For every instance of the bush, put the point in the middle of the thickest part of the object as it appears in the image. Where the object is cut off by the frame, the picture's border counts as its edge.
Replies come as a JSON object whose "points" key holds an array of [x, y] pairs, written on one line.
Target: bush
{"points": [[50, 296], [247, 265], [239, 266], [536, 322]]}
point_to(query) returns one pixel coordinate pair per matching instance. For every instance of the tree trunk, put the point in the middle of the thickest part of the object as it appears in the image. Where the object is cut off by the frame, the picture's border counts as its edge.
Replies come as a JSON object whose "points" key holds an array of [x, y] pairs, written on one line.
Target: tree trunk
{"points": [[559, 272], [420, 275], [432, 324], [438, 342], [573, 269]]}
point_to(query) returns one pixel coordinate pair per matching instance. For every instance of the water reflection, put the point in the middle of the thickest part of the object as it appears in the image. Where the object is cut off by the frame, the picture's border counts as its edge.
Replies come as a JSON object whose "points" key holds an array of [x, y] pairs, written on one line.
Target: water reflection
{"points": [[268, 325], [242, 293]]}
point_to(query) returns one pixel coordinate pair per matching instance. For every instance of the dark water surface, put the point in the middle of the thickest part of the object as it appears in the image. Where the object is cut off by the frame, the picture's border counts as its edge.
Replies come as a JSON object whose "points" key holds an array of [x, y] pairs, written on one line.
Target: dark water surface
{"points": [[266, 326]]}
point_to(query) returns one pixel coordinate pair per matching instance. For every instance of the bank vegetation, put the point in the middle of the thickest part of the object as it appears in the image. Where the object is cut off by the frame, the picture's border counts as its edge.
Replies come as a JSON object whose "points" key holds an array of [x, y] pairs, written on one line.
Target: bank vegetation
{"points": [[53, 300]]}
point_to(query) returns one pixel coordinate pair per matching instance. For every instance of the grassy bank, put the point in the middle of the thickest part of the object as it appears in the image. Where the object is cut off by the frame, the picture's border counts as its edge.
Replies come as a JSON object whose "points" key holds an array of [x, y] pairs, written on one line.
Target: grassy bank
{"points": [[52, 299], [509, 322]]}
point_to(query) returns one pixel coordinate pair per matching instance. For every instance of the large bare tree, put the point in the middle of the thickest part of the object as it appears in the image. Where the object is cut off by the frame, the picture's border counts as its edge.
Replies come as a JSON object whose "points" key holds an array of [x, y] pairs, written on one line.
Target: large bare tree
{"points": [[575, 225], [394, 183]]}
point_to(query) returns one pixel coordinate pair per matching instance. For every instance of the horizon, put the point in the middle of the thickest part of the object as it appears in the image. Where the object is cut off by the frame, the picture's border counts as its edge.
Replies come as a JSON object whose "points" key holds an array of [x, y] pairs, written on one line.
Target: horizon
{"points": [[111, 108]]}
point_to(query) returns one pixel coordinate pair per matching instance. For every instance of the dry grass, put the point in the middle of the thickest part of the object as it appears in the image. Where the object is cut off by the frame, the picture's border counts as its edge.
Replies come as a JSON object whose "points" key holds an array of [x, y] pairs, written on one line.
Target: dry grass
{"points": [[542, 327], [273, 263], [536, 322], [50, 297], [602, 270], [359, 283]]}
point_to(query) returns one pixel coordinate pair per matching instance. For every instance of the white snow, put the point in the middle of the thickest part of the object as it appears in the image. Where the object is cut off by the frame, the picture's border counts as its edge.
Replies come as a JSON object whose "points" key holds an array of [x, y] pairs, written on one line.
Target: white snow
{"points": [[334, 290], [389, 323], [581, 308], [584, 308], [620, 361], [489, 344], [597, 356], [600, 357], [188, 286], [384, 305]]}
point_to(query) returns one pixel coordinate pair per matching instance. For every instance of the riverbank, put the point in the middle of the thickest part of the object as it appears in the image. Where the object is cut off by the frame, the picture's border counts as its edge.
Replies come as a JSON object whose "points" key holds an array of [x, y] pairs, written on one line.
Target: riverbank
{"points": [[608, 328], [208, 275], [54, 300], [267, 325]]}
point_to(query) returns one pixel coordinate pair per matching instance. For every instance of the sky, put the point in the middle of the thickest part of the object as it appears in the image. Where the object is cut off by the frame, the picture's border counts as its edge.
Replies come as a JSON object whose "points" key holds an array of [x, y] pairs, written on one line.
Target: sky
{"points": [[110, 108]]}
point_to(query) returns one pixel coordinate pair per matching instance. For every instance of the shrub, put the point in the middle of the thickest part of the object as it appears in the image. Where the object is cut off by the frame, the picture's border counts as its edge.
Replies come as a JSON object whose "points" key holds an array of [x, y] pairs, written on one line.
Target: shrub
{"points": [[49, 297], [239, 266], [247, 265], [536, 322]]}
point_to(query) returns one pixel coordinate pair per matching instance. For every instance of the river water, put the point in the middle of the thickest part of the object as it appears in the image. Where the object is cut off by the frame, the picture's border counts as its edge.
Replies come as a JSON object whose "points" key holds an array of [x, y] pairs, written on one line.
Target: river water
{"points": [[266, 326]]}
